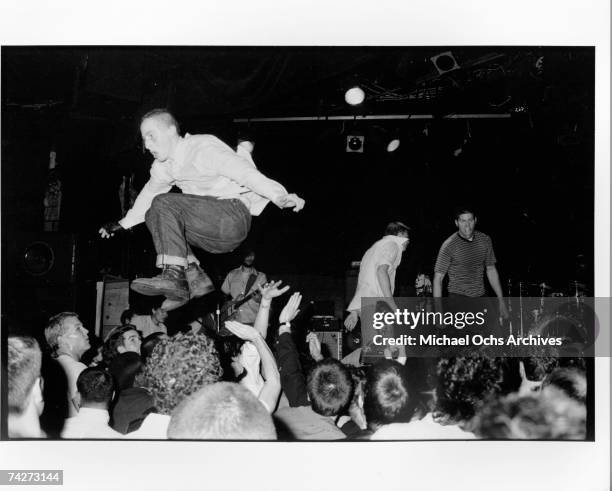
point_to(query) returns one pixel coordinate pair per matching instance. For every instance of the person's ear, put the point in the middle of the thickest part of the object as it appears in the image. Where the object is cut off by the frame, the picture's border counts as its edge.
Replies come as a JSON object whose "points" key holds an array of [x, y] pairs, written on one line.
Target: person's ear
{"points": [[456, 223], [36, 395], [76, 400], [475, 220], [121, 349]]}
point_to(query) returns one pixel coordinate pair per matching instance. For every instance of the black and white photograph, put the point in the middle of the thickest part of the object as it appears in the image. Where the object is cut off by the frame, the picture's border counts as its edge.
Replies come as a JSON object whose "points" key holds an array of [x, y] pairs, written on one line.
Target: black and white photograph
{"points": [[207, 249]]}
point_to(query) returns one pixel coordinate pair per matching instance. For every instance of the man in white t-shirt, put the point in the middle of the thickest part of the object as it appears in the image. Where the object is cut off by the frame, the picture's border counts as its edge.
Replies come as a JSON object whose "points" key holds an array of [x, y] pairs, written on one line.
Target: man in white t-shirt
{"points": [[377, 271], [152, 323]]}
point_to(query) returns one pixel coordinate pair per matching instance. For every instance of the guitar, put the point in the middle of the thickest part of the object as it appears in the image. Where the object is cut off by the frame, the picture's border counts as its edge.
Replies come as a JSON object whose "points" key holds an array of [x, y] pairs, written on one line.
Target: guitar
{"points": [[230, 308]]}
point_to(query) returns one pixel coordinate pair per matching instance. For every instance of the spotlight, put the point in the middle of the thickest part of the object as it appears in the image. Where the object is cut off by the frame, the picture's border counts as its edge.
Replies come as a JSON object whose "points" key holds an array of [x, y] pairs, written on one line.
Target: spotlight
{"points": [[393, 145], [445, 62], [354, 143], [354, 96]]}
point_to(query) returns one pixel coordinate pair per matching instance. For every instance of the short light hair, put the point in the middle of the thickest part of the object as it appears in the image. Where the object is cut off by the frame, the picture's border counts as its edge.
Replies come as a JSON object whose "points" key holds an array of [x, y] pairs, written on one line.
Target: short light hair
{"points": [[24, 361], [56, 328], [178, 367], [163, 115], [224, 410]]}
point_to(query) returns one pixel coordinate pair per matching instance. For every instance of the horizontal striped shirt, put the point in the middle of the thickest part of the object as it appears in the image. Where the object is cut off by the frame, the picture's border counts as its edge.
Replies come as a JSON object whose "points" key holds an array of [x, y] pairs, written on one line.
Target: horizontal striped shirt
{"points": [[464, 261]]}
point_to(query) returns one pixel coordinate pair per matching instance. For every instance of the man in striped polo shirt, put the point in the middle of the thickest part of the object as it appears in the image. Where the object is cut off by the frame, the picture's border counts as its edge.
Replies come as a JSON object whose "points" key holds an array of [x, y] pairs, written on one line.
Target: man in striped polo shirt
{"points": [[466, 256]]}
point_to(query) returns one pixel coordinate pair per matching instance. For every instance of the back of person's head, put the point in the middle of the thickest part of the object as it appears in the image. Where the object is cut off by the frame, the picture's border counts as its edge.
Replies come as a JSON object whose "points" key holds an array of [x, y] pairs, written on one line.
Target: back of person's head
{"points": [[178, 367], [126, 316], [95, 387], [464, 384], [23, 367], [56, 328], [530, 417], [223, 410], [124, 369], [163, 115], [397, 228], [572, 381], [330, 387], [149, 343], [389, 398]]}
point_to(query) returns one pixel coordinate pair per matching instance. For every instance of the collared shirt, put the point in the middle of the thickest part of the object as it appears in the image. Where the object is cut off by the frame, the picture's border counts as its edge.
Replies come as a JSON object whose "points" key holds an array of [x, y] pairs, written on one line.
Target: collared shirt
{"points": [[235, 284], [146, 325], [154, 427], [89, 423], [465, 262], [304, 424], [387, 250], [423, 429], [205, 166]]}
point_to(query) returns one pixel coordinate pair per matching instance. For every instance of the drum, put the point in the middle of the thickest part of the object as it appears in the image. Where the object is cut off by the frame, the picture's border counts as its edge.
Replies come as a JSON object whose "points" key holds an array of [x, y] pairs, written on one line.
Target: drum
{"points": [[565, 326]]}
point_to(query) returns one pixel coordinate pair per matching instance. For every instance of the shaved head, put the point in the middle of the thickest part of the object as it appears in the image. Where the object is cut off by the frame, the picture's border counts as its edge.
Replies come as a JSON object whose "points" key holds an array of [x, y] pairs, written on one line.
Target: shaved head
{"points": [[163, 116]]}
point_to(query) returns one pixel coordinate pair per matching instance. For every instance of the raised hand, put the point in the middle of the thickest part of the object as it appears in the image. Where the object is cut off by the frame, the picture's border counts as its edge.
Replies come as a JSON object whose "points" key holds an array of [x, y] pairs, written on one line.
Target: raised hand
{"points": [[314, 346], [351, 321], [271, 290], [109, 229], [291, 309], [248, 333]]}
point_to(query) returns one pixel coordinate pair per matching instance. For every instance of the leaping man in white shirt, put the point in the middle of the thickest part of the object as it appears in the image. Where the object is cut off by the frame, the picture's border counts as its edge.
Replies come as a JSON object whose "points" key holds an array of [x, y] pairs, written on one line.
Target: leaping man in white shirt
{"points": [[221, 190]]}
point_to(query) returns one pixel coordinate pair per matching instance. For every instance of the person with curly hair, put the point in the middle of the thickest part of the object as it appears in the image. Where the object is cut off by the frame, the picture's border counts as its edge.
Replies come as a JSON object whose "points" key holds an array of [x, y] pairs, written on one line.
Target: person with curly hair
{"points": [[396, 409], [178, 367], [464, 384], [549, 416]]}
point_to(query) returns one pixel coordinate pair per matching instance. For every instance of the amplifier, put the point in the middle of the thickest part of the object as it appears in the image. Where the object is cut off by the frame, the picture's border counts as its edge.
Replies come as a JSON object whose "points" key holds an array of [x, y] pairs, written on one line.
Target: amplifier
{"points": [[331, 343]]}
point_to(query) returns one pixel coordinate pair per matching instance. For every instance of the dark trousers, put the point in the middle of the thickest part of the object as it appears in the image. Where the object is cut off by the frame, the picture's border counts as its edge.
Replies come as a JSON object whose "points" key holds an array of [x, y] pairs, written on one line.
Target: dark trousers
{"points": [[177, 221]]}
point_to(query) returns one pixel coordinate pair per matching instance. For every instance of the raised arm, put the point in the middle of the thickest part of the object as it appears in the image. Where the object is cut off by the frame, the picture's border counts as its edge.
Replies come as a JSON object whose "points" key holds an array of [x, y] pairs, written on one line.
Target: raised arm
{"points": [[271, 390], [268, 292], [293, 381]]}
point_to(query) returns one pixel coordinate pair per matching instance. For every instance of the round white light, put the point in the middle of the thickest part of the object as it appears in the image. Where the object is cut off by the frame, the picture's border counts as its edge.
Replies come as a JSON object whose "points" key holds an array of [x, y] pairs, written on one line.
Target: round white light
{"points": [[393, 145], [354, 96]]}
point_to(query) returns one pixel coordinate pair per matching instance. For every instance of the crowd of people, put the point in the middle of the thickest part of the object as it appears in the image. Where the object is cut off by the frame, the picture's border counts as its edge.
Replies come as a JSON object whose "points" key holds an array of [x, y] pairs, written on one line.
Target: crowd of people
{"points": [[257, 385], [244, 381]]}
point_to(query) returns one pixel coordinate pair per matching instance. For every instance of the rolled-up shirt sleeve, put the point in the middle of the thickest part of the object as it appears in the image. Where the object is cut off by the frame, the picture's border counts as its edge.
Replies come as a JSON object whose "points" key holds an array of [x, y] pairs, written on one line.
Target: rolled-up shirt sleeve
{"points": [[220, 158], [159, 182]]}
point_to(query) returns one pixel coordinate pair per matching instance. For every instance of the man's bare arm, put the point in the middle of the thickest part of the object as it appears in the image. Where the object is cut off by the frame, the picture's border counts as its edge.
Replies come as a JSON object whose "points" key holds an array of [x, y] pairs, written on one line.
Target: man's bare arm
{"points": [[437, 284]]}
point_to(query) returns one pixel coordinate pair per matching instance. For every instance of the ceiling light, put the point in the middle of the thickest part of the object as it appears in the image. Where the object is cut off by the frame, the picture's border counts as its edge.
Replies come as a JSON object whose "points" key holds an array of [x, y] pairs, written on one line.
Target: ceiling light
{"points": [[354, 96], [393, 145]]}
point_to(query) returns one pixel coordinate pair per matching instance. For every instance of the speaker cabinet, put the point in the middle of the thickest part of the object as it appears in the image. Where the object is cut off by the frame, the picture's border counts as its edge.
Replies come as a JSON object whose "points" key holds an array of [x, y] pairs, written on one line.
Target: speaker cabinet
{"points": [[49, 258], [331, 343]]}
